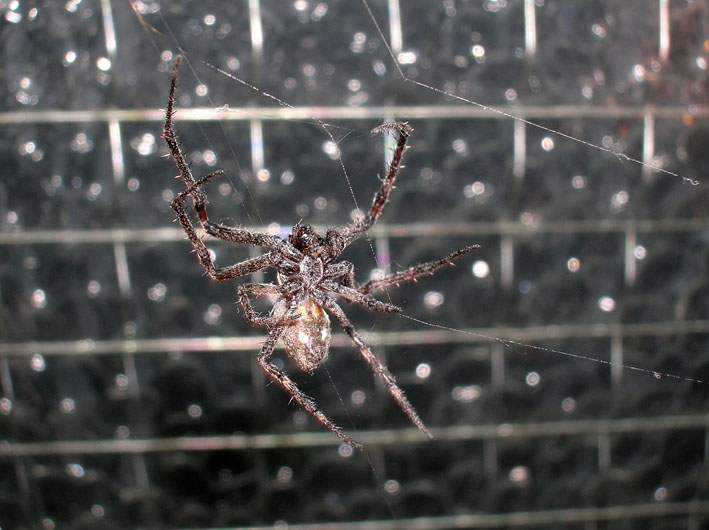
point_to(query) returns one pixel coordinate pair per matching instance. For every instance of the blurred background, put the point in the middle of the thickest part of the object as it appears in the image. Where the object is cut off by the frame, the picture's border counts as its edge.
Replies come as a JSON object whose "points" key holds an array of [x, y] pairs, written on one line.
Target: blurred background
{"points": [[563, 367]]}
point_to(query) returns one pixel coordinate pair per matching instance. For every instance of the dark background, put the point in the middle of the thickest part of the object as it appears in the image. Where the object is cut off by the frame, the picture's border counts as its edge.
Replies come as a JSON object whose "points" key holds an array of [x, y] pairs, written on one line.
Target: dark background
{"points": [[561, 398]]}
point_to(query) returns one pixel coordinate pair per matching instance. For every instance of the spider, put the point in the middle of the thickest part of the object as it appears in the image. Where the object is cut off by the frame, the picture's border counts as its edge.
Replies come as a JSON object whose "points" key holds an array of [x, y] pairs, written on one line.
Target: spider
{"points": [[307, 276]]}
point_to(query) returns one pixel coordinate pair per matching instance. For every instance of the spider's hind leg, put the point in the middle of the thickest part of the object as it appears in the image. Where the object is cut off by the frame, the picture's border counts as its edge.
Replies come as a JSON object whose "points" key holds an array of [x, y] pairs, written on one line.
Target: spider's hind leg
{"points": [[261, 289], [304, 401], [378, 368]]}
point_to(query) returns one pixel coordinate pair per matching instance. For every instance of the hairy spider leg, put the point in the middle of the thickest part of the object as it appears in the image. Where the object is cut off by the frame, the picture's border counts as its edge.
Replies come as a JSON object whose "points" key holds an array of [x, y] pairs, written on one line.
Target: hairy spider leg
{"points": [[168, 131], [377, 367], [304, 401], [356, 297], [344, 270], [233, 271], [199, 201], [353, 231], [420, 269], [277, 326], [260, 289]]}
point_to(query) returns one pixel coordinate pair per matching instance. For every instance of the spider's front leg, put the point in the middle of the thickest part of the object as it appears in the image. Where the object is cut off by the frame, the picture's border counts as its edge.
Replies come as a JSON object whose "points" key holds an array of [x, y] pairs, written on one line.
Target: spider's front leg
{"points": [[421, 269], [194, 189], [234, 271], [304, 401], [354, 230]]}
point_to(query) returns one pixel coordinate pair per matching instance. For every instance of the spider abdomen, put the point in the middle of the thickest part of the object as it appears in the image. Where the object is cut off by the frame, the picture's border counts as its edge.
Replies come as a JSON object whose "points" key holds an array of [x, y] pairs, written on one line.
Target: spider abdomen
{"points": [[307, 340]]}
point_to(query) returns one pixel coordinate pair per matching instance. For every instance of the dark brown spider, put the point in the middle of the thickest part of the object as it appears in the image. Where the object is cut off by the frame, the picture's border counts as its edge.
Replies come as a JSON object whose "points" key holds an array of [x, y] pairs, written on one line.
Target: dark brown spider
{"points": [[306, 274]]}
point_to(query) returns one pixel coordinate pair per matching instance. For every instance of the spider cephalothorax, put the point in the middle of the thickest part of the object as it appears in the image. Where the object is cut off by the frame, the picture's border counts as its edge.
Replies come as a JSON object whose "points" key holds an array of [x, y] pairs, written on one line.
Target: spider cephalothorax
{"points": [[308, 279]]}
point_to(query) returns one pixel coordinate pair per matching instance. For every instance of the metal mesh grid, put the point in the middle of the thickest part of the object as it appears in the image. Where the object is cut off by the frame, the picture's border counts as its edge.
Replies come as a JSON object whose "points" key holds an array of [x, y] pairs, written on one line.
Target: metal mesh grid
{"points": [[131, 396]]}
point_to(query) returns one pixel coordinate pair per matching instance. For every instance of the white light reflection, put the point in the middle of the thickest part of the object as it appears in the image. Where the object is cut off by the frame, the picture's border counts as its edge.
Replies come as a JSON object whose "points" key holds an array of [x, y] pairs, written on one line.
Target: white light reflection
{"points": [[467, 393], [345, 450], [133, 184], [423, 371], [300, 418], [433, 299], [284, 474], [331, 149], [392, 486], [67, 405], [37, 363], [568, 404], [122, 432], [93, 288], [287, 177], [519, 474], [157, 292], [481, 269], [474, 189], [38, 299], [358, 398], [213, 315], [75, 470], [606, 303], [103, 64], [145, 144], [13, 17], [578, 182], [5, 406], [478, 52], [532, 379], [121, 381], [573, 264], [639, 73], [661, 494], [407, 57], [619, 200], [598, 30]]}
